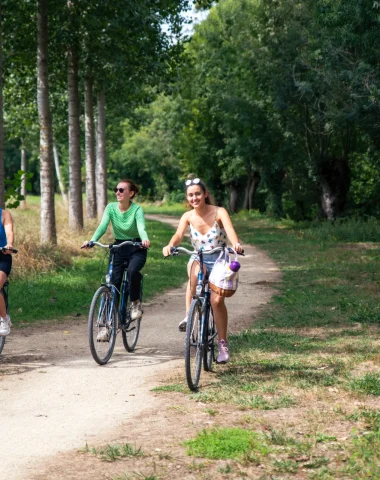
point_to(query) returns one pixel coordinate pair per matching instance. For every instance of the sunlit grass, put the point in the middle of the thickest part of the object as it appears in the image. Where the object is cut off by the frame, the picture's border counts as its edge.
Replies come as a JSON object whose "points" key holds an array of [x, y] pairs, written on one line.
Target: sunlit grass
{"points": [[50, 282]]}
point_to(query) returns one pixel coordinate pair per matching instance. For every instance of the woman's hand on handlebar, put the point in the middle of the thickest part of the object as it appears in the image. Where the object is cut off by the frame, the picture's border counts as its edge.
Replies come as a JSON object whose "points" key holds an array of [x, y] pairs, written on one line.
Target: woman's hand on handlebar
{"points": [[8, 249], [167, 251], [86, 244], [238, 248], [145, 243]]}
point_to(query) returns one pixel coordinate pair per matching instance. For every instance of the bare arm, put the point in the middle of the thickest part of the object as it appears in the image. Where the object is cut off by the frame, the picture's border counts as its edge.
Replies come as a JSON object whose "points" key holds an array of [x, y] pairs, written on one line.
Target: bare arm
{"points": [[8, 227], [229, 228], [179, 234]]}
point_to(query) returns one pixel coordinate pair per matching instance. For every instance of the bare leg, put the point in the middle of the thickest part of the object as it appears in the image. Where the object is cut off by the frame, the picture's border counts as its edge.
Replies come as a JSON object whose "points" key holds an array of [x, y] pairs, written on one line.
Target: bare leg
{"points": [[192, 271], [220, 315], [3, 311]]}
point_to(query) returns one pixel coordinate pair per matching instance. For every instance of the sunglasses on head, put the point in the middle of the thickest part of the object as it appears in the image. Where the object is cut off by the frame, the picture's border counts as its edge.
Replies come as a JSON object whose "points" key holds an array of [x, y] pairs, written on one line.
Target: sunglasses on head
{"points": [[121, 190], [193, 181]]}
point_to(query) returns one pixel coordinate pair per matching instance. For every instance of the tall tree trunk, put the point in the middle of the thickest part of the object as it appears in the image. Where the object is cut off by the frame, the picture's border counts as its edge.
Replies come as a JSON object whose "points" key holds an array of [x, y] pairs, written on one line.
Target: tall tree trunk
{"points": [[101, 159], [75, 180], [255, 182], [24, 167], [2, 177], [246, 194], [48, 228], [59, 175], [234, 195], [274, 178], [334, 181], [90, 150]]}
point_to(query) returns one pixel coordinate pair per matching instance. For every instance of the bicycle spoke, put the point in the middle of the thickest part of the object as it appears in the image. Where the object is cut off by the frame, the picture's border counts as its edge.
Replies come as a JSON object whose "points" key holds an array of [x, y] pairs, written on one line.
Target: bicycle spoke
{"points": [[209, 336], [193, 346], [130, 332], [102, 324]]}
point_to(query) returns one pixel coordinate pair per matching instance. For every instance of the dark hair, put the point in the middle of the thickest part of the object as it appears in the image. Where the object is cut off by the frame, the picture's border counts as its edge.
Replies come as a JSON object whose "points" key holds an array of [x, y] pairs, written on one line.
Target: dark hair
{"points": [[208, 200], [133, 187]]}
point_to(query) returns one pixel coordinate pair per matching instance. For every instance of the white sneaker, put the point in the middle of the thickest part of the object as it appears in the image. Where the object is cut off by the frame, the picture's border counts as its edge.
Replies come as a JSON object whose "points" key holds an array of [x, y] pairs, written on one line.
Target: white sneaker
{"points": [[182, 325], [102, 335], [5, 326], [136, 310]]}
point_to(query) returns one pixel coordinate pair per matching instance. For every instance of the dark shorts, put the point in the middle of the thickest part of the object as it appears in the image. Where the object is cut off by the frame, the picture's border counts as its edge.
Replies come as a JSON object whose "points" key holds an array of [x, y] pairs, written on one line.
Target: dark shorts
{"points": [[5, 263]]}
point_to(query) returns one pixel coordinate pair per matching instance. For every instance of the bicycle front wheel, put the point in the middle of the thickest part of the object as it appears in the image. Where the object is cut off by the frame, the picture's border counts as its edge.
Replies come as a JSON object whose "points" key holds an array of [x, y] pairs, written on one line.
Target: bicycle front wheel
{"points": [[210, 334], [130, 331], [193, 345], [2, 342], [102, 325]]}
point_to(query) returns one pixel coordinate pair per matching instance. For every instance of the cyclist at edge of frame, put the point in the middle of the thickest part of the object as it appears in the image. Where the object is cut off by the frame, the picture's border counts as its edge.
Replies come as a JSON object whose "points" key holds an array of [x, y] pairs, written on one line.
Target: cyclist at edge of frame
{"points": [[6, 241], [128, 223], [210, 226]]}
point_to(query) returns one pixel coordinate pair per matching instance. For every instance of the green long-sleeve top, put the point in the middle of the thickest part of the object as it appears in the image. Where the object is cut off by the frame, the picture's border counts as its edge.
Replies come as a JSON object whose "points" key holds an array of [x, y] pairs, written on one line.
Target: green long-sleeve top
{"points": [[125, 225]]}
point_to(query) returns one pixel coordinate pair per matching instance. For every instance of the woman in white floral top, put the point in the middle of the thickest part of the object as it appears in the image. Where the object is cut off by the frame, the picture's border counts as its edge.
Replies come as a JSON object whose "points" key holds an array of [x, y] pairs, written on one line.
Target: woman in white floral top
{"points": [[210, 226]]}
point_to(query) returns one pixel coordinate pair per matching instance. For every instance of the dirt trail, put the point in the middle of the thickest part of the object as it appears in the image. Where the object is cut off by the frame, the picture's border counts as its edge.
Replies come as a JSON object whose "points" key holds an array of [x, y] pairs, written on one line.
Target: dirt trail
{"points": [[55, 398]]}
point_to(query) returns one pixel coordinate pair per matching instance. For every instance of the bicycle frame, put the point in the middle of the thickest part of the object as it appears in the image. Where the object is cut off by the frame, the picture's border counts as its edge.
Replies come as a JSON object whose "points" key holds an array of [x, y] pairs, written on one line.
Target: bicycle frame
{"points": [[114, 290], [205, 299], [109, 309], [124, 288]]}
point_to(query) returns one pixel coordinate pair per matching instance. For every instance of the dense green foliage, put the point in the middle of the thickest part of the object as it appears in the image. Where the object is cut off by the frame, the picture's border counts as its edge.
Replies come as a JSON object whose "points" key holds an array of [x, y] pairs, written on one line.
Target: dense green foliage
{"points": [[121, 45], [276, 106]]}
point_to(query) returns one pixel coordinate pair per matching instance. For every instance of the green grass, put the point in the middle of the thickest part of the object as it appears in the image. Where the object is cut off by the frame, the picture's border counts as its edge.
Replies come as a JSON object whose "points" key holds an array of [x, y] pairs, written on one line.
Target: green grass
{"points": [[315, 344], [226, 443], [68, 291], [173, 387], [174, 209], [112, 453], [369, 384]]}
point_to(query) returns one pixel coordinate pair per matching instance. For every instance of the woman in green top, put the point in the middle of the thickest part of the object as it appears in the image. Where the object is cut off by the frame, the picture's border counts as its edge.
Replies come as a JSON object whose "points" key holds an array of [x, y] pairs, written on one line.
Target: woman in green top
{"points": [[128, 223]]}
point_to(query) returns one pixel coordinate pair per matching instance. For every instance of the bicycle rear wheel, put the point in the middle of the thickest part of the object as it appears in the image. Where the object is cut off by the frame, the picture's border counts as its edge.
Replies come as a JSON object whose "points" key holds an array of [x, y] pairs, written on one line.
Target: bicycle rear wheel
{"points": [[130, 331], [102, 316], [208, 353], [2, 342], [193, 345]]}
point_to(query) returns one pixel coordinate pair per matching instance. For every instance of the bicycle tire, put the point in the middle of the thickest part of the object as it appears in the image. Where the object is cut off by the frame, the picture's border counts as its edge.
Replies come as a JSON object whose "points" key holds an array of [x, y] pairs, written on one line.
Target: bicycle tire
{"points": [[193, 345], [2, 343], [208, 352], [100, 311], [130, 331]]}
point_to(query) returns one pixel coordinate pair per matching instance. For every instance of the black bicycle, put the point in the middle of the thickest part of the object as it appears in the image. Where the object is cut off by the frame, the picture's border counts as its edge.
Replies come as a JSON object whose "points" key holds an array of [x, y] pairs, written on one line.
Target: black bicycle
{"points": [[110, 312], [4, 293], [200, 326]]}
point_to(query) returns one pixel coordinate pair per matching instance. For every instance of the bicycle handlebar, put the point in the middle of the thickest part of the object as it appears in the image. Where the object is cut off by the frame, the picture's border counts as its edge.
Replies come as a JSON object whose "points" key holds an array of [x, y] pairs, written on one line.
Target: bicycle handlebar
{"points": [[111, 246], [13, 250], [177, 250]]}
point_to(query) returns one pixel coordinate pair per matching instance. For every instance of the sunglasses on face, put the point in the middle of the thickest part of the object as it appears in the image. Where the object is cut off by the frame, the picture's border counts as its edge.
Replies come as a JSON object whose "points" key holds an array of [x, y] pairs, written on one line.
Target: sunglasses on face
{"points": [[194, 181], [121, 190]]}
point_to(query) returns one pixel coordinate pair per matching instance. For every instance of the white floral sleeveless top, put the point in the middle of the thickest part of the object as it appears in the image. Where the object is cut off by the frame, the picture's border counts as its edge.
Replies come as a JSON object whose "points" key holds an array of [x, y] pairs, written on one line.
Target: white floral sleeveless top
{"points": [[215, 237]]}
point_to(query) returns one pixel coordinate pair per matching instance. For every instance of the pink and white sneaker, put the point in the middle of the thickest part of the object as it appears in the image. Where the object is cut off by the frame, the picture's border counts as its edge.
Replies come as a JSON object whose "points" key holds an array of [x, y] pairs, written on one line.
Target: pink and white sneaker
{"points": [[223, 356]]}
